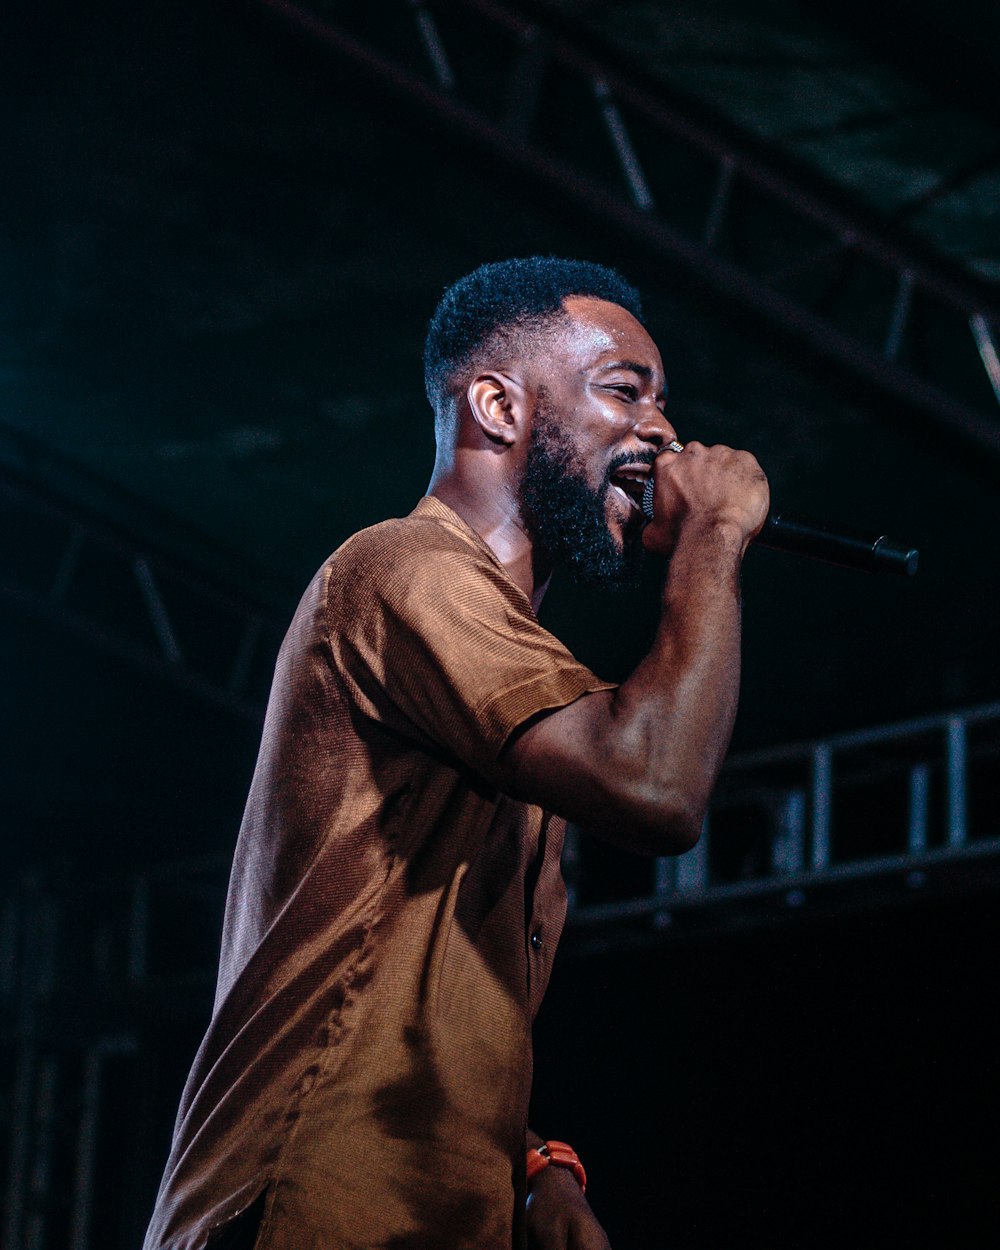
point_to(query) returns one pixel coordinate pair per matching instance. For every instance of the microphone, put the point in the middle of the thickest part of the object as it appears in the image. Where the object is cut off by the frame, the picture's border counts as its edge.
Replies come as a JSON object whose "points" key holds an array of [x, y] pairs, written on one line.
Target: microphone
{"points": [[851, 549]]}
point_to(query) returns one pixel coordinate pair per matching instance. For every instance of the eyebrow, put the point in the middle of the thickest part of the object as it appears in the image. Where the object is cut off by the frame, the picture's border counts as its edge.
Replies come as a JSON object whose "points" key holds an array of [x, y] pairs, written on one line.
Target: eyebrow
{"points": [[633, 366]]}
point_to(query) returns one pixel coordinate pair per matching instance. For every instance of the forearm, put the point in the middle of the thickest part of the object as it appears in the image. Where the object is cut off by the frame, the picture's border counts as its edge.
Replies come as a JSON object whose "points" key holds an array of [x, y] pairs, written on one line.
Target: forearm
{"points": [[671, 721], [637, 764]]}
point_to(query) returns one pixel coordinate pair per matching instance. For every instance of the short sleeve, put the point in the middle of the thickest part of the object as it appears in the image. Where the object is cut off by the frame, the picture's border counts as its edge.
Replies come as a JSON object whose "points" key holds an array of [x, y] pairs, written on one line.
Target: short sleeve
{"points": [[430, 630]]}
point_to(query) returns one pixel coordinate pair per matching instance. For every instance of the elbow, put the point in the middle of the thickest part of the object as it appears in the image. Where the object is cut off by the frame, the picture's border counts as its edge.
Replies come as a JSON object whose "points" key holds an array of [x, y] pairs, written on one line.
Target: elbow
{"points": [[658, 823], [671, 818], [681, 835], [676, 830]]}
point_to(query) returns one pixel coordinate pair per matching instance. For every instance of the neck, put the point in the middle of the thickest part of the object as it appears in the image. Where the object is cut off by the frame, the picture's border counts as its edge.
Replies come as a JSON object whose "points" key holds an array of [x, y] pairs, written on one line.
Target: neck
{"points": [[492, 510]]}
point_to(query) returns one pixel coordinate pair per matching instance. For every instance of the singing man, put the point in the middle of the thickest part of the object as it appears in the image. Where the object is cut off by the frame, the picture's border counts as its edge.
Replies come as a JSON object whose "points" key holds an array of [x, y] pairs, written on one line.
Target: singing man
{"points": [[396, 896]]}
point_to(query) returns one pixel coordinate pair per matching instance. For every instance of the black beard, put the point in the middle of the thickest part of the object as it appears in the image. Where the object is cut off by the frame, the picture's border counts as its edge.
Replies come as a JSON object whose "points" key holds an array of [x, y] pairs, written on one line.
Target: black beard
{"points": [[568, 517]]}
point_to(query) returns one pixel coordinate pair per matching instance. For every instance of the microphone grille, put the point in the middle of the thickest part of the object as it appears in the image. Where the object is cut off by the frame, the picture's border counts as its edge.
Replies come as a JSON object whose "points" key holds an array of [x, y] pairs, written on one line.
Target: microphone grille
{"points": [[647, 499]]}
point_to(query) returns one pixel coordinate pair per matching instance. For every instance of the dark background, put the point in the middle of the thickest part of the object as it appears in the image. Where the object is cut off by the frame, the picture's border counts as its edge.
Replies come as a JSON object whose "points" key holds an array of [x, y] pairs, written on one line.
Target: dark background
{"points": [[221, 246]]}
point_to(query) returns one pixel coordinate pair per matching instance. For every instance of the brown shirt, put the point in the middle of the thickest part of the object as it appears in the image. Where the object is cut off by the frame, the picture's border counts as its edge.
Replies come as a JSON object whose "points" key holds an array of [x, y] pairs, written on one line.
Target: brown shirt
{"points": [[391, 918]]}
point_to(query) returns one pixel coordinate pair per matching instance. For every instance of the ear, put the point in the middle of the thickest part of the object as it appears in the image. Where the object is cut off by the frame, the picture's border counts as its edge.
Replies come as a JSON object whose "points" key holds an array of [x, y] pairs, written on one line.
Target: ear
{"points": [[498, 406]]}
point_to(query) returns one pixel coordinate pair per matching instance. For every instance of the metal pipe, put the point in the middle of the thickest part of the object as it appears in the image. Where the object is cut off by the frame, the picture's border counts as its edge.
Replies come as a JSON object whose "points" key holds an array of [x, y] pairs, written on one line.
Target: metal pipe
{"points": [[955, 788], [919, 808], [642, 197], [900, 317], [983, 335], [431, 39], [157, 610], [821, 795], [720, 200]]}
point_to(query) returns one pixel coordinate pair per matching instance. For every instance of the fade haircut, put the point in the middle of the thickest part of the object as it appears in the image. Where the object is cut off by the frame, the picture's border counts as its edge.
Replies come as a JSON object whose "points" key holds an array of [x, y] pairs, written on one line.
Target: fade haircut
{"points": [[498, 306]]}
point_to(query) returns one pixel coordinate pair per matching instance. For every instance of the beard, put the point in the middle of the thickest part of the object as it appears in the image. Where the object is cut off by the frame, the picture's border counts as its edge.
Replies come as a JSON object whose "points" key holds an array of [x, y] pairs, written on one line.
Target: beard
{"points": [[568, 517]]}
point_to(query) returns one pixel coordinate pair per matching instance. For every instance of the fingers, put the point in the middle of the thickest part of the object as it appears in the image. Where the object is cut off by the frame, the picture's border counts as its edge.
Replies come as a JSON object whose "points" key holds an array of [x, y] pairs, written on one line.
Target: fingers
{"points": [[705, 485]]}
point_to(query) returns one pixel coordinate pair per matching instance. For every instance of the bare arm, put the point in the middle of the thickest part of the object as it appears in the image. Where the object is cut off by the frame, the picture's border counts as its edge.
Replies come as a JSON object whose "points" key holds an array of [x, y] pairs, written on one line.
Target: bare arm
{"points": [[638, 764]]}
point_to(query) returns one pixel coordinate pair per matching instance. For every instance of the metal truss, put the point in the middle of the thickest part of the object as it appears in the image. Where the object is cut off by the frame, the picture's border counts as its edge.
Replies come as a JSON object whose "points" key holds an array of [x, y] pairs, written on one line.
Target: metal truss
{"points": [[81, 575], [86, 974], [866, 818], [512, 80]]}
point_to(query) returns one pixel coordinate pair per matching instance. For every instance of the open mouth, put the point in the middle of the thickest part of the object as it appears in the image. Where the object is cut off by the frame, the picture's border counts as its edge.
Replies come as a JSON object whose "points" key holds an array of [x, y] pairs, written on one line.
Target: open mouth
{"points": [[630, 483]]}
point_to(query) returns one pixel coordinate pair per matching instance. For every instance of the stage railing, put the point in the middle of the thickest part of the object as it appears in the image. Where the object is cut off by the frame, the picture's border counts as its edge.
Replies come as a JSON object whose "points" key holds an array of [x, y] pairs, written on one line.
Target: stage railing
{"points": [[900, 807]]}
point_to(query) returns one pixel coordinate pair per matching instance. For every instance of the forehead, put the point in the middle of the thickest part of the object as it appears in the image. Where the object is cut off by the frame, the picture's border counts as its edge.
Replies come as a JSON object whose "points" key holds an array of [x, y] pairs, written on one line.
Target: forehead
{"points": [[597, 332]]}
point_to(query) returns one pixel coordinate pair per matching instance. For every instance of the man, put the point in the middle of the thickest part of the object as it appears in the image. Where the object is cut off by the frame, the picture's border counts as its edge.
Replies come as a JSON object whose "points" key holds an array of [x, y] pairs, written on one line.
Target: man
{"points": [[396, 896]]}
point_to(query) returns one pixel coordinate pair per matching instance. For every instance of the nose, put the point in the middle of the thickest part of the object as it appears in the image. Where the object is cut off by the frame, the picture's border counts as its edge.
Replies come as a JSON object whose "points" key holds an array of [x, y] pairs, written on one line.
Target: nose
{"points": [[654, 428]]}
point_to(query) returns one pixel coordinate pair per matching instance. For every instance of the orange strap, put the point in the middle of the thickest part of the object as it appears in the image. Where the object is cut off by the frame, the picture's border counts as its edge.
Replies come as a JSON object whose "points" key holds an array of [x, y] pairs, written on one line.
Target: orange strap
{"points": [[561, 1155]]}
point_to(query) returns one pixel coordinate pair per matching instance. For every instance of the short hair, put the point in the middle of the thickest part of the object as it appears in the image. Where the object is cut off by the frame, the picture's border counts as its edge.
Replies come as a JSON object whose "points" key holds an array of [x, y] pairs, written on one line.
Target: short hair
{"points": [[498, 302]]}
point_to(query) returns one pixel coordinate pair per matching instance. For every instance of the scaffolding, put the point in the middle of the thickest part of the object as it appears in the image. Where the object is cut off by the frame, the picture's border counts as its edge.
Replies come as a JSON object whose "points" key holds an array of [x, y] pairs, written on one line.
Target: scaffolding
{"points": [[128, 600], [704, 197]]}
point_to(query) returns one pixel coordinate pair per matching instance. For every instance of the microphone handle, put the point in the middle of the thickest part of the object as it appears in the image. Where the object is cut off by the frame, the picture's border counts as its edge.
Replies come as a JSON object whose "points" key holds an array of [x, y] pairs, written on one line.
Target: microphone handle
{"points": [[851, 549]]}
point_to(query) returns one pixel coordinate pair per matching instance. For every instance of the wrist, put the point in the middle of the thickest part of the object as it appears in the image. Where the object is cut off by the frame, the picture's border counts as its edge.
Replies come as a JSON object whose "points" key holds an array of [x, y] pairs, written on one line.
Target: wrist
{"points": [[722, 535], [705, 558], [555, 1154]]}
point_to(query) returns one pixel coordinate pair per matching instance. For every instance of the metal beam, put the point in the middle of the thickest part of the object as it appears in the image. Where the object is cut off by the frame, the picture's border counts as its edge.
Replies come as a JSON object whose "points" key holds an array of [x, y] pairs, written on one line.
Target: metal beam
{"points": [[157, 589], [890, 359]]}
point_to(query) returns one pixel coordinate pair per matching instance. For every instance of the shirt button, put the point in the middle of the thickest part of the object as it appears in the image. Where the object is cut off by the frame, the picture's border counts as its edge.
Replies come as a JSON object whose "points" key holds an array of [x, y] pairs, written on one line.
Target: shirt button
{"points": [[536, 940]]}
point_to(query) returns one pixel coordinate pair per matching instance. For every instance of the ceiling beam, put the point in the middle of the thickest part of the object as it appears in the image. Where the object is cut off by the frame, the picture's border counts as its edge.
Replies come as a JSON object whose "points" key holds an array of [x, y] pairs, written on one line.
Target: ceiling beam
{"points": [[128, 601], [892, 339]]}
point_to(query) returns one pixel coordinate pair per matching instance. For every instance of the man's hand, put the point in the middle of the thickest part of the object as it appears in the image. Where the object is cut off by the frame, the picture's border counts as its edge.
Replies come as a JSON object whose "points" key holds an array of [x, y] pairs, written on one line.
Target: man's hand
{"points": [[559, 1216], [705, 487]]}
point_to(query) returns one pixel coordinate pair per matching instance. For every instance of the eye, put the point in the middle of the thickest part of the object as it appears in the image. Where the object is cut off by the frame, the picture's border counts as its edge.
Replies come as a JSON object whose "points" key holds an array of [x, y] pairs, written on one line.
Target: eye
{"points": [[631, 393]]}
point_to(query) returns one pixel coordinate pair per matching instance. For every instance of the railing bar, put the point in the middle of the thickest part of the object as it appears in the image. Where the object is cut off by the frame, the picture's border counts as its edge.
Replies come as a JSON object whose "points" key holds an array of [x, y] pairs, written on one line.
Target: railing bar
{"points": [[86, 1145], [821, 795], [788, 843], [691, 871], [40, 1173], [88, 1136], [864, 737], [21, 1124], [664, 887], [956, 781], [627, 909], [919, 808]]}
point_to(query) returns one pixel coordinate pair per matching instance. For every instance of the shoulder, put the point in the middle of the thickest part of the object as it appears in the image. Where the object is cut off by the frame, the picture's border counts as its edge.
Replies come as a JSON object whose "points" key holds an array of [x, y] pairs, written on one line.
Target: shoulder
{"points": [[413, 559], [401, 548]]}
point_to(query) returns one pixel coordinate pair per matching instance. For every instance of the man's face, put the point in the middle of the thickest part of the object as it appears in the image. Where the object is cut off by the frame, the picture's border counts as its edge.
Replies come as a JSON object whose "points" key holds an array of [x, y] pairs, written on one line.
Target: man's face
{"points": [[596, 427]]}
